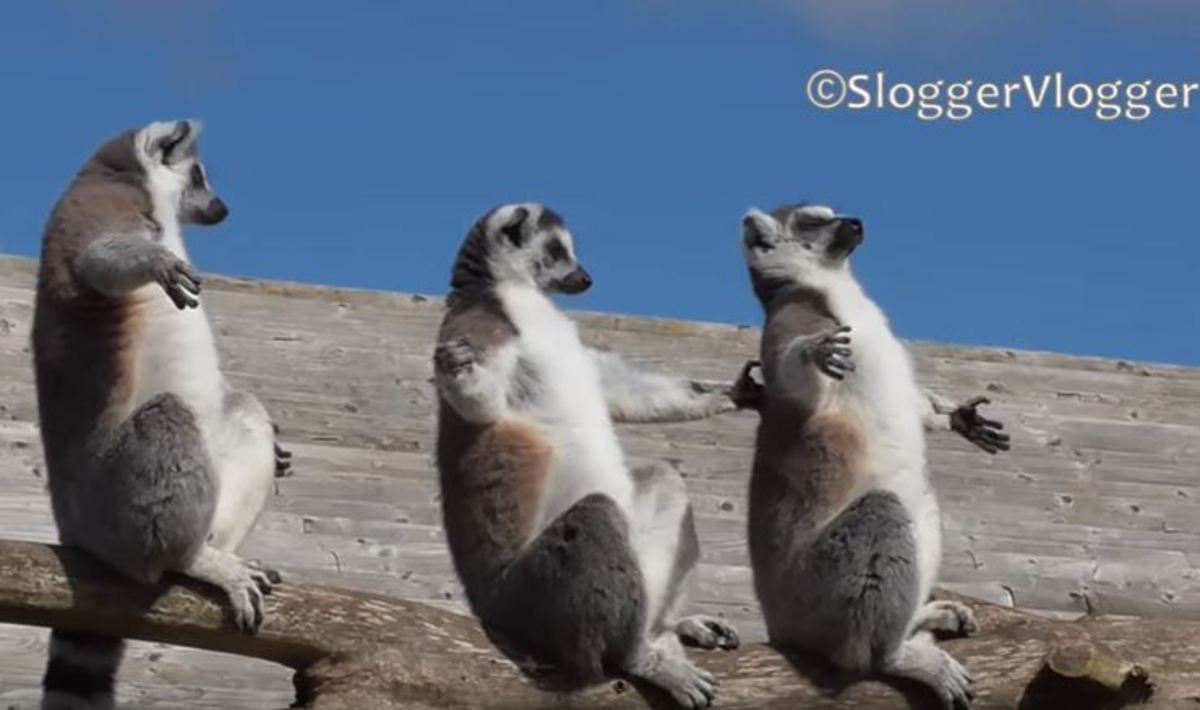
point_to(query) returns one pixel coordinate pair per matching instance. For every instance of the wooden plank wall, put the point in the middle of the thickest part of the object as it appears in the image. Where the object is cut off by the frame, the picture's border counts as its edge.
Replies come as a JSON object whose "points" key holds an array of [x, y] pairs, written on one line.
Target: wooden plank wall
{"points": [[1095, 507]]}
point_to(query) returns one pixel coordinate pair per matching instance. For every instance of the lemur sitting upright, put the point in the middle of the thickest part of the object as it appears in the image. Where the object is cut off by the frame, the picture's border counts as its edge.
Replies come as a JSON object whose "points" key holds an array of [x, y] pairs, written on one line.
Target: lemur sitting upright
{"points": [[570, 560], [155, 463], [844, 531]]}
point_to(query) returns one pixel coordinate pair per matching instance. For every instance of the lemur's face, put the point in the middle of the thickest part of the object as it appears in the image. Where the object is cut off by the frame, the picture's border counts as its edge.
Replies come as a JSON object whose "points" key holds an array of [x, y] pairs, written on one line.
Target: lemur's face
{"points": [[530, 243], [799, 237], [168, 152]]}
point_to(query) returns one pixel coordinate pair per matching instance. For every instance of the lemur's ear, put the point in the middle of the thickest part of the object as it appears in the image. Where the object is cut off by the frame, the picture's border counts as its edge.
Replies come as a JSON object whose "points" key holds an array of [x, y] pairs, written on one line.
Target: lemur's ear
{"points": [[168, 141], [513, 228], [759, 228]]}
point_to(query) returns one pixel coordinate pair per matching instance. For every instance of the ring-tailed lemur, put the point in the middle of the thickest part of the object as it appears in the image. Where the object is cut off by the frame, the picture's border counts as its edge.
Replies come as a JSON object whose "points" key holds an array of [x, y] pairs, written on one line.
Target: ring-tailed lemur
{"points": [[570, 560], [844, 531], [155, 463]]}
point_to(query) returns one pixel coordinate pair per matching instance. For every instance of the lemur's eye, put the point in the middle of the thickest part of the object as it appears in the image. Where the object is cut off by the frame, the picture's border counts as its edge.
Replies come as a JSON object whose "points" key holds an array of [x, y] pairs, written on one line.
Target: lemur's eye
{"points": [[556, 251], [197, 177], [809, 222]]}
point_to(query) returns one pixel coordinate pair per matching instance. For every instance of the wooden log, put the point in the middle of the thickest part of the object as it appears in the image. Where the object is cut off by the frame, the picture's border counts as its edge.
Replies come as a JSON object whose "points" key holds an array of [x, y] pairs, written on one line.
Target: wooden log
{"points": [[353, 650]]}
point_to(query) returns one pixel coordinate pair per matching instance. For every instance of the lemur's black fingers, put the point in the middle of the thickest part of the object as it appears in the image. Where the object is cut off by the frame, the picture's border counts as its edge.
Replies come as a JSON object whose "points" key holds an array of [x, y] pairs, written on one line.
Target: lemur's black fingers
{"points": [[832, 372], [843, 329], [990, 432], [989, 445], [187, 277], [283, 462], [976, 402], [991, 423], [840, 362], [842, 352], [993, 435], [179, 297], [992, 445]]}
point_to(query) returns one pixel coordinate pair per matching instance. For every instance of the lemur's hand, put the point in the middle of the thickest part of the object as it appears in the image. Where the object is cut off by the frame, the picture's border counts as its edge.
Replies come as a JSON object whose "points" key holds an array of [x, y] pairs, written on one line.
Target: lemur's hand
{"points": [[977, 429], [748, 393], [831, 353], [283, 457], [179, 279], [454, 357]]}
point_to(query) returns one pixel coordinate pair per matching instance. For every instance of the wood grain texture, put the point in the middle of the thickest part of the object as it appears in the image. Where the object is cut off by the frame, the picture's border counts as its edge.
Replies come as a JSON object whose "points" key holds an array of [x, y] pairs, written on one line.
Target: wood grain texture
{"points": [[1094, 509], [365, 652]]}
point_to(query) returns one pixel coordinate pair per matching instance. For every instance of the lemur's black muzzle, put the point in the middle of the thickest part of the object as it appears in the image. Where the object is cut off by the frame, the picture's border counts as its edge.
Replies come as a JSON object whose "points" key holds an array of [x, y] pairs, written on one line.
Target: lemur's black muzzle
{"points": [[848, 235], [577, 281], [214, 212]]}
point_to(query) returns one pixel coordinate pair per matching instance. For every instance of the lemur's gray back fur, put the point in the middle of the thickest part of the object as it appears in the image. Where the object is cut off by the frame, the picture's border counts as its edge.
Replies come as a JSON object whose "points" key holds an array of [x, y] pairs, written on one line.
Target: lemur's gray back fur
{"points": [[80, 336]]}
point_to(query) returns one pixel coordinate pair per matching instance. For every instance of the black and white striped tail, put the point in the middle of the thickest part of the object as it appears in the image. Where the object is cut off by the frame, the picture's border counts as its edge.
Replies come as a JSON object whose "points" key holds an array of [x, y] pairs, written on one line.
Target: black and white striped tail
{"points": [[81, 672]]}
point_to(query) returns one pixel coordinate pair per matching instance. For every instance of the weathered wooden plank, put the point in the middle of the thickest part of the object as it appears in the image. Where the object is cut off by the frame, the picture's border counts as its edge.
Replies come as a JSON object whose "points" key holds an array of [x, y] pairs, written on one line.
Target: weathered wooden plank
{"points": [[177, 677], [1099, 490], [367, 651]]}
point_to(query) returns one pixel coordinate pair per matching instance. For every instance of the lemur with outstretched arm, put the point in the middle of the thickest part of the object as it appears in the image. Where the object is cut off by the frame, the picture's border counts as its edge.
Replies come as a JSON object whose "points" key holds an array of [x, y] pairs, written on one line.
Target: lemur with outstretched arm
{"points": [[570, 560], [155, 463], [844, 531]]}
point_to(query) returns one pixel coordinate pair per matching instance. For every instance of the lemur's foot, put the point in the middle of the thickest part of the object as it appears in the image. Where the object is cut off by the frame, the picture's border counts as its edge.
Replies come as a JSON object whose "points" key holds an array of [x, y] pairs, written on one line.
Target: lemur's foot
{"points": [[692, 687], [246, 595], [179, 280], [831, 353], [946, 617], [977, 429], [920, 659], [245, 583], [748, 393], [273, 575], [454, 357], [664, 664], [707, 632]]}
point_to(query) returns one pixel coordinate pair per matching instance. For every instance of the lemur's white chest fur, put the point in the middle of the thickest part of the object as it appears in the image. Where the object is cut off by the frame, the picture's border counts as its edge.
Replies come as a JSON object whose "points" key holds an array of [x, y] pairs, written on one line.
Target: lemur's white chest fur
{"points": [[176, 351], [884, 396], [883, 391], [569, 406]]}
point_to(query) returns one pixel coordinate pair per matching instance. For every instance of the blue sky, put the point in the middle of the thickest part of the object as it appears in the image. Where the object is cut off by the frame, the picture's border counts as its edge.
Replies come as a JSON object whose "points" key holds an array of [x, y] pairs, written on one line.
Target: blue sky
{"points": [[355, 145]]}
